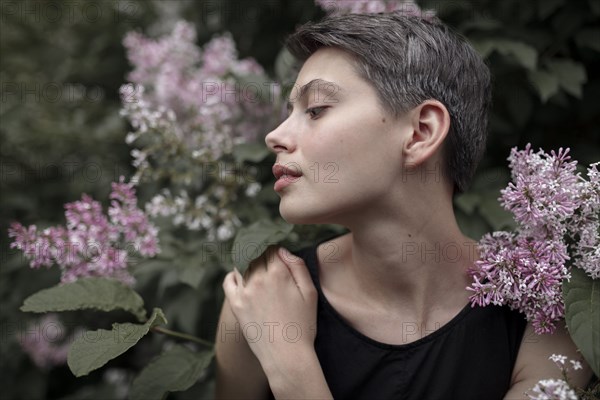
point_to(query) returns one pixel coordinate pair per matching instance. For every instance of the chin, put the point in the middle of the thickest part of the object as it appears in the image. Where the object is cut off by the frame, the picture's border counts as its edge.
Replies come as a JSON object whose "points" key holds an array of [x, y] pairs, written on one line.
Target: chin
{"points": [[303, 216], [297, 218]]}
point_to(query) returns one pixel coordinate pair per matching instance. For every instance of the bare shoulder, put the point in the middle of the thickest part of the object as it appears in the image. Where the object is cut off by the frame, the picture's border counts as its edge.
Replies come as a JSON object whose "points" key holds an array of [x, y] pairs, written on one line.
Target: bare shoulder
{"points": [[533, 363]]}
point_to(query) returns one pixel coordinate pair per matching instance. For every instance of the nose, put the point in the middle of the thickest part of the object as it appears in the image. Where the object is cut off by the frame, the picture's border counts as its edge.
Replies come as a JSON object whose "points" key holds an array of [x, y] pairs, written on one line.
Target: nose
{"points": [[279, 139]]}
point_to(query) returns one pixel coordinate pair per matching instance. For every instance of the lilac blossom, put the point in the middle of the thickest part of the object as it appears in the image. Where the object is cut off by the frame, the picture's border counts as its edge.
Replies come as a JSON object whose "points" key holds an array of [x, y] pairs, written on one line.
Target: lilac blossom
{"points": [[552, 389], [545, 192], [218, 223], [189, 107], [557, 214], [209, 98], [405, 7], [91, 244], [557, 389]]}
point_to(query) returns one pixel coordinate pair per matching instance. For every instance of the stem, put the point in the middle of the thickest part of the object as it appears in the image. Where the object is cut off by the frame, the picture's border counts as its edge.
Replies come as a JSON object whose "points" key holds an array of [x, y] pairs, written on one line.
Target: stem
{"points": [[182, 335]]}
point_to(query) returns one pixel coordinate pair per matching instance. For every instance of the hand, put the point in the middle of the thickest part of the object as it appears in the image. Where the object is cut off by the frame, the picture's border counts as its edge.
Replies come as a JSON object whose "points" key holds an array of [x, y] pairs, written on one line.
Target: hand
{"points": [[276, 307]]}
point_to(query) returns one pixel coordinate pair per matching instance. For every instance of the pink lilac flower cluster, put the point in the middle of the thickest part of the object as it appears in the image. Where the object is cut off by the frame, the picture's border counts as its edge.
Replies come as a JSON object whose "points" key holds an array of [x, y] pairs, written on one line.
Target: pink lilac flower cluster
{"points": [[189, 107], [209, 98], [557, 214], [557, 389], [91, 244], [552, 389], [44, 341], [405, 7]]}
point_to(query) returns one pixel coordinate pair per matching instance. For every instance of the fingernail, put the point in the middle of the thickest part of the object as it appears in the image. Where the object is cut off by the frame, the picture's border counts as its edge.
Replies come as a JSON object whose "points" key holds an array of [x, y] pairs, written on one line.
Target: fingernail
{"points": [[287, 255]]}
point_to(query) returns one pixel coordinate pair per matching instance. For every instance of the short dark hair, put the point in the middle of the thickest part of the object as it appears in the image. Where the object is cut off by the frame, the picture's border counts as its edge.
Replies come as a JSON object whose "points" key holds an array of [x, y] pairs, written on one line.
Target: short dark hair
{"points": [[410, 59]]}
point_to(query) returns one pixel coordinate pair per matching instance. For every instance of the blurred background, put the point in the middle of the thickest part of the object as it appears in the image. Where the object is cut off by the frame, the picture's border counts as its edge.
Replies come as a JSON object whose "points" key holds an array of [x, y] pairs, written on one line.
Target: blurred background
{"points": [[62, 134]]}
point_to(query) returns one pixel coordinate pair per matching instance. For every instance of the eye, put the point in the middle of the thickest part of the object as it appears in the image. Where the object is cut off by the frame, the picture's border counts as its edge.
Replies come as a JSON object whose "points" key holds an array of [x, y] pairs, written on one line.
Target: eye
{"points": [[314, 112]]}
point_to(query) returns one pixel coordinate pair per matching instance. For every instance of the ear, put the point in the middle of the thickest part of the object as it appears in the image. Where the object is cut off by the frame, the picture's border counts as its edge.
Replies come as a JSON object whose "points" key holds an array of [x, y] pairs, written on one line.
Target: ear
{"points": [[430, 123]]}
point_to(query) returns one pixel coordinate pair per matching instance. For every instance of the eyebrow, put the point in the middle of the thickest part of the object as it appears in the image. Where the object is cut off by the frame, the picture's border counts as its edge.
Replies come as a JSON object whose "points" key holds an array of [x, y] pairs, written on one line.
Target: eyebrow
{"points": [[319, 84]]}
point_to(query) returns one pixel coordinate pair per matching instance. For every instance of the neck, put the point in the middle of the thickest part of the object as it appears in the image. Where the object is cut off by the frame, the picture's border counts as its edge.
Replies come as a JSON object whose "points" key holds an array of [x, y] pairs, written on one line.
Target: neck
{"points": [[411, 258]]}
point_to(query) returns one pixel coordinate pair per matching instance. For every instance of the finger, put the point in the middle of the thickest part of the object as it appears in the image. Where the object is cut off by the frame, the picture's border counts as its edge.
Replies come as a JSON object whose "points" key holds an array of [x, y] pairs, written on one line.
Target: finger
{"points": [[257, 265], [270, 255], [276, 266], [230, 284], [246, 275], [299, 272], [238, 277]]}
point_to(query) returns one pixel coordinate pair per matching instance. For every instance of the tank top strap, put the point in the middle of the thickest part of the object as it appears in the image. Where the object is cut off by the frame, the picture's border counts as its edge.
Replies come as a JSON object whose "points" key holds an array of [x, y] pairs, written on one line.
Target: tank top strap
{"points": [[309, 255]]}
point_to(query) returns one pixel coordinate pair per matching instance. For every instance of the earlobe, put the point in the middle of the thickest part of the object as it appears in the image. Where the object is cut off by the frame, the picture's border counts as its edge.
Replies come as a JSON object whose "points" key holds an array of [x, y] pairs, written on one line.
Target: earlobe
{"points": [[430, 123]]}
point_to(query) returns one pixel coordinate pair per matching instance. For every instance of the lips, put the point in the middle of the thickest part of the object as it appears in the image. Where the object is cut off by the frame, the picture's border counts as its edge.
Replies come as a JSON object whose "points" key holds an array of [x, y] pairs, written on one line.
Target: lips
{"points": [[285, 175], [290, 171]]}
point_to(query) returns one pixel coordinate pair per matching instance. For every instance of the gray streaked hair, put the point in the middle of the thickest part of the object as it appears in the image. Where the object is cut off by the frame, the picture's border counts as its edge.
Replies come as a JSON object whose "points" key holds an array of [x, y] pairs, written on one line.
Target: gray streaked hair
{"points": [[408, 60]]}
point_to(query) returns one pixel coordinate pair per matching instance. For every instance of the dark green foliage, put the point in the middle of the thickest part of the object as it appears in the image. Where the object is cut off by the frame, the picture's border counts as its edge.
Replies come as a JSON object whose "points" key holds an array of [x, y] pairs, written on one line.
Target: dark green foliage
{"points": [[61, 135]]}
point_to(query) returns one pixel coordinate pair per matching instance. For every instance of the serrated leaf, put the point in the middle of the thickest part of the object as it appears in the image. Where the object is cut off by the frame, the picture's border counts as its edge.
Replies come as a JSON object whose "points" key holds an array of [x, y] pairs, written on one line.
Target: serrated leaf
{"points": [[253, 152], [88, 293], [571, 75], [582, 314], [93, 349], [250, 242], [175, 370], [545, 83]]}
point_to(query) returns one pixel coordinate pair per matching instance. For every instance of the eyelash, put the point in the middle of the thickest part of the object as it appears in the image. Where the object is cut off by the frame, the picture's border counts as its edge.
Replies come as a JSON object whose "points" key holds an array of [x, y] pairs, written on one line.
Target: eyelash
{"points": [[310, 110]]}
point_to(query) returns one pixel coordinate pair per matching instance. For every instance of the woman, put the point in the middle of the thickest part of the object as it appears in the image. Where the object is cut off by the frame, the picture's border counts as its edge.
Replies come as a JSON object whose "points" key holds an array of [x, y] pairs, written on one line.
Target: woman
{"points": [[393, 111]]}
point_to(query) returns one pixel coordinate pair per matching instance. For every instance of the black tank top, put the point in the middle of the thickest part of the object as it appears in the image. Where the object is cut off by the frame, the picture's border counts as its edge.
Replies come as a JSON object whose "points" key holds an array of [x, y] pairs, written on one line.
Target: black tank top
{"points": [[469, 358]]}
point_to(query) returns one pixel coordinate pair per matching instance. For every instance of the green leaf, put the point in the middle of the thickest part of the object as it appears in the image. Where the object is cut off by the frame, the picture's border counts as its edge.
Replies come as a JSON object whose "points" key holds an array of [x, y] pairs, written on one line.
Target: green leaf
{"points": [[93, 349], [493, 212], [545, 83], [467, 202], [96, 293], [523, 53], [175, 370], [571, 75], [582, 314], [473, 226], [250, 242], [192, 275], [286, 66], [184, 309], [253, 152], [256, 87]]}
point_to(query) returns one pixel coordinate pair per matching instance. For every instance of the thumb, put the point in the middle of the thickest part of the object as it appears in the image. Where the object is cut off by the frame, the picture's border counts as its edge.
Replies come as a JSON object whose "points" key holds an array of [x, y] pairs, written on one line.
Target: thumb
{"points": [[299, 272]]}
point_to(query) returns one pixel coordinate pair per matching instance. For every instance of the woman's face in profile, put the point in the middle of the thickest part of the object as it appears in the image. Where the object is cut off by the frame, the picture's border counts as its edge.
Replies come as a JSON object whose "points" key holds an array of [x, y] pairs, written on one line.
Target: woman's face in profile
{"points": [[338, 137]]}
